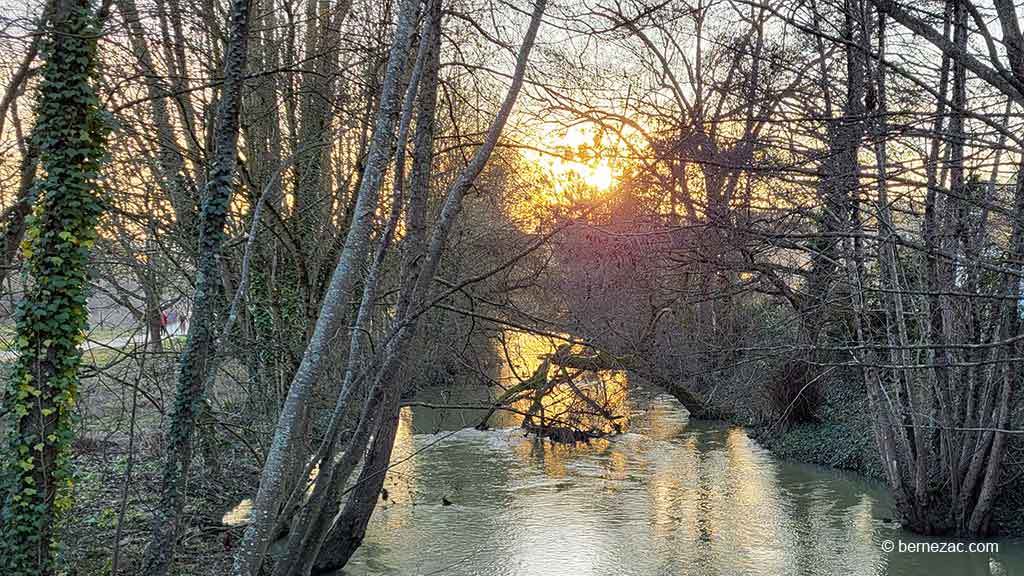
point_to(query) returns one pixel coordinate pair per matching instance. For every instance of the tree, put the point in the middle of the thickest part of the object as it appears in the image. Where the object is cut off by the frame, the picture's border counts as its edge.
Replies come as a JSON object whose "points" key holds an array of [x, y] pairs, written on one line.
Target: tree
{"points": [[197, 358], [70, 134]]}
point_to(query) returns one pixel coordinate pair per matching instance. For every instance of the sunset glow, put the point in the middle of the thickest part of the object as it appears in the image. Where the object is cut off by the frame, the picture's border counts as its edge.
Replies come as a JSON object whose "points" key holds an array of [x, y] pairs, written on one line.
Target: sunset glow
{"points": [[574, 157]]}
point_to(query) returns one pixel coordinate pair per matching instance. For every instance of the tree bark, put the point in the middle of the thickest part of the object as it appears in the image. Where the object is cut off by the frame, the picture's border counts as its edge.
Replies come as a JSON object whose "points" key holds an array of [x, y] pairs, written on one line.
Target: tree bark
{"points": [[350, 527], [265, 509], [70, 134], [195, 362], [301, 549]]}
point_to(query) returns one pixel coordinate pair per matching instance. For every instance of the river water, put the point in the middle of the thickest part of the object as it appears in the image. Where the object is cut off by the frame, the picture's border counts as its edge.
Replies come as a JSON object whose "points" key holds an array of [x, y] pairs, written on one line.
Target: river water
{"points": [[668, 497]]}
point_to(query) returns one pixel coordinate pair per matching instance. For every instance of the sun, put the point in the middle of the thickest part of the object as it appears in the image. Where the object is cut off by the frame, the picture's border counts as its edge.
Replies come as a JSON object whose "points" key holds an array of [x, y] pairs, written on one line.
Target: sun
{"points": [[567, 166], [599, 176], [573, 157]]}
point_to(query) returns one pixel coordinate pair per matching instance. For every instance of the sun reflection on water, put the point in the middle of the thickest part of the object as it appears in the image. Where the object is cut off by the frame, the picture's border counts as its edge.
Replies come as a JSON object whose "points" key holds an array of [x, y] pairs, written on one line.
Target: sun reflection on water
{"points": [[669, 496]]}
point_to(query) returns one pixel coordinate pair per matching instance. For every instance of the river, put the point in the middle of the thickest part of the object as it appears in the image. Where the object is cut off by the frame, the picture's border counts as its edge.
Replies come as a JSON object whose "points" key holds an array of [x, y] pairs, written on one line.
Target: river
{"points": [[667, 497]]}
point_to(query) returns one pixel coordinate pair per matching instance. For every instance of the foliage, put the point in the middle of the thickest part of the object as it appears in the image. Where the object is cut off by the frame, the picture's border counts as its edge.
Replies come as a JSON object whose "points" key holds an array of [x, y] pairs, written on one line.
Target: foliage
{"points": [[70, 132]]}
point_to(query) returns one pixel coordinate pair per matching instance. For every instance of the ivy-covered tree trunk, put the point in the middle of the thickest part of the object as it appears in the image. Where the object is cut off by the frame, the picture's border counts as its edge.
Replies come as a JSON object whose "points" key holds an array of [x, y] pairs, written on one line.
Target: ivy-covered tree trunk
{"points": [[195, 362], [51, 321]]}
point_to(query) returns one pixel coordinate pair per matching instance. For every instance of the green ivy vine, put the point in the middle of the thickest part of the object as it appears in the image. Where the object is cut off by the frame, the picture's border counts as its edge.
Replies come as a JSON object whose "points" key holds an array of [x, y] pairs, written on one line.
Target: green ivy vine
{"points": [[70, 132]]}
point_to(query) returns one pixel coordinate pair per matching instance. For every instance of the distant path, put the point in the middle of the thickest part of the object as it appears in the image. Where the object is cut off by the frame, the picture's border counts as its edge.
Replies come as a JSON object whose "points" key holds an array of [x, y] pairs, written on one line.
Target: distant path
{"points": [[116, 342]]}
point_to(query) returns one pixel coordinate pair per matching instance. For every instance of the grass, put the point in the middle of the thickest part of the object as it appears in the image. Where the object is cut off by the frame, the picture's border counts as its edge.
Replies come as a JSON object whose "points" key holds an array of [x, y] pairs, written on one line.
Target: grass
{"points": [[98, 352]]}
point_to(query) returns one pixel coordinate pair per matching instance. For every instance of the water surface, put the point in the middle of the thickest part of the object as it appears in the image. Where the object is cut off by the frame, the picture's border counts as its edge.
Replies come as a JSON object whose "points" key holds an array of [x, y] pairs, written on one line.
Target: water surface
{"points": [[668, 497]]}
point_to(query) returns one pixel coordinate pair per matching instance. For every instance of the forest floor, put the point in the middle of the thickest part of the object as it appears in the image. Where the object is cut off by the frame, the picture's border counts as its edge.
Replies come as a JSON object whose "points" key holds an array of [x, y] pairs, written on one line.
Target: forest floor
{"points": [[120, 445], [105, 515]]}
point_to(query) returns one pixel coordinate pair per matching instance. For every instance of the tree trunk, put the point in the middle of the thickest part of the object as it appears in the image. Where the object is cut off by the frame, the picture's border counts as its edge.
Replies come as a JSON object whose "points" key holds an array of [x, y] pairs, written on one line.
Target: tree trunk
{"points": [[71, 139], [170, 163], [265, 509], [199, 347], [349, 529], [348, 532]]}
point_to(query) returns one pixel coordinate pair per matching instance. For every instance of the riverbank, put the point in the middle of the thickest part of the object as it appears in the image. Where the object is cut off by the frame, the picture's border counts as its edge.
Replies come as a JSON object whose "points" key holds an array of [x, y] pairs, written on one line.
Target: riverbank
{"points": [[834, 427], [841, 438]]}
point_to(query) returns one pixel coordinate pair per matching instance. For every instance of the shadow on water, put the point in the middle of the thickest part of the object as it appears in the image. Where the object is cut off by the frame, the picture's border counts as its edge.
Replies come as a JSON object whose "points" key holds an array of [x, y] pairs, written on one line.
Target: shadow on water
{"points": [[668, 497]]}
